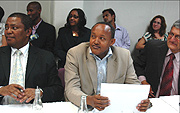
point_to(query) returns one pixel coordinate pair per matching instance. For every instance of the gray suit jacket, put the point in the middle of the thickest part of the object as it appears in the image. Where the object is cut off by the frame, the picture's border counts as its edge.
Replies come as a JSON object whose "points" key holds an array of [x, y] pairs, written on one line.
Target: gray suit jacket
{"points": [[81, 71]]}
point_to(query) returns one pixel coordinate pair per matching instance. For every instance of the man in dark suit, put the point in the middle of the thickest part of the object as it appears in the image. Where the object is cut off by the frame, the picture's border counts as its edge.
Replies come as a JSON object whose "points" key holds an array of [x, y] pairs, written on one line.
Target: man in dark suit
{"points": [[43, 34], [151, 63], [38, 66]]}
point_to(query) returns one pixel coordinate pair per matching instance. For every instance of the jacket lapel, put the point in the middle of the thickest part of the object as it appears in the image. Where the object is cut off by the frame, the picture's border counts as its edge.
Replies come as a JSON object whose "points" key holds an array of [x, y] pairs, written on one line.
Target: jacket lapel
{"points": [[6, 58], [111, 68], [91, 65], [162, 50], [32, 57]]}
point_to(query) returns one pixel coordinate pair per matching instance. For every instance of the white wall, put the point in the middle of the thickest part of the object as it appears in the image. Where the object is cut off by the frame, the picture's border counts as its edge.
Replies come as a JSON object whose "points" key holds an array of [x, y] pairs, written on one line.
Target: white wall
{"points": [[62, 9], [20, 6], [133, 15]]}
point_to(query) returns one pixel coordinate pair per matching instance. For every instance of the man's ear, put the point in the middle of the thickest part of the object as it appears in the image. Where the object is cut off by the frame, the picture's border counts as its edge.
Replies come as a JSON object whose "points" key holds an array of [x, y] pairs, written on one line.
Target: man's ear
{"points": [[28, 32], [113, 41], [39, 11]]}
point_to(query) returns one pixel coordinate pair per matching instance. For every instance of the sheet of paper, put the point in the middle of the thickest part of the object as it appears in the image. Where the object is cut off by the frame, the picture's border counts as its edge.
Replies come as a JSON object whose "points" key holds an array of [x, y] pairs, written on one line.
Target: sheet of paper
{"points": [[172, 101], [160, 106], [123, 97]]}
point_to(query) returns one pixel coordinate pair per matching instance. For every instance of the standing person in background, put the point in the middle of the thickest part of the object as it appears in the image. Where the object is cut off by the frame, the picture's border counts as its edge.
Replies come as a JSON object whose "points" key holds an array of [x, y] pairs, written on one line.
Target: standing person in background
{"points": [[121, 34], [43, 34], [2, 28], [156, 31], [151, 65], [73, 33]]}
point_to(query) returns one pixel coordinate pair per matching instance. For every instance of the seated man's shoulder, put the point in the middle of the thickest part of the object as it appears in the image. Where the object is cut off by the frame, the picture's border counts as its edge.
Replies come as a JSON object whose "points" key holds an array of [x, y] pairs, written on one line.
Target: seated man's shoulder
{"points": [[155, 43], [42, 52], [120, 50], [123, 29], [47, 24]]}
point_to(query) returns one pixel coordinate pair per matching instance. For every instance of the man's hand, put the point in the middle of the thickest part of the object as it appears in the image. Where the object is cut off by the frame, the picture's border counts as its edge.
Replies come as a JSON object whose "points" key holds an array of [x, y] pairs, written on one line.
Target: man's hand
{"points": [[98, 102], [29, 94], [13, 90], [151, 92], [144, 105]]}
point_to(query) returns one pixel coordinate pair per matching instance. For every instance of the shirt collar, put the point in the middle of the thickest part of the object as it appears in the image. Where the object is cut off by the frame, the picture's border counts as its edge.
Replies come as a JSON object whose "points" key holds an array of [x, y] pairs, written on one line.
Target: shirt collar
{"points": [[117, 27], [37, 25], [24, 49], [177, 55], [95, 56]]}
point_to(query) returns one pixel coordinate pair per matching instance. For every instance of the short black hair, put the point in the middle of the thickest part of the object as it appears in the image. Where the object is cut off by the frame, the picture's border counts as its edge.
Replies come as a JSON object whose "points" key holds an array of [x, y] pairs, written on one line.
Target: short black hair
{"points": [[1, 13], [111, 12], [36, 4], [111, 27], [25, 19]]}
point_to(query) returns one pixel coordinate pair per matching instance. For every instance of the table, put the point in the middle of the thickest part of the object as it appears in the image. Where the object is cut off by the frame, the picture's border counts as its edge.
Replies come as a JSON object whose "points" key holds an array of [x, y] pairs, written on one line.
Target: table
{"points": [[168, 104], [57, 107]]}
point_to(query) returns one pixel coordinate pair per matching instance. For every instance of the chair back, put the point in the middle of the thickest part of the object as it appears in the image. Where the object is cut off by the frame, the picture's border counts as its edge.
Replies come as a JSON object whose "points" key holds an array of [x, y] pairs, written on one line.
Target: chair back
{"points": [[61, 75]]}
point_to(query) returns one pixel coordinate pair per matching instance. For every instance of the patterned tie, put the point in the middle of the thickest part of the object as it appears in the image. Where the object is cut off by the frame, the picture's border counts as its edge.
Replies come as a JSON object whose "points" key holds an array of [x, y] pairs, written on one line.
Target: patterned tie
{"points": [[17, 75], [166, 84]]}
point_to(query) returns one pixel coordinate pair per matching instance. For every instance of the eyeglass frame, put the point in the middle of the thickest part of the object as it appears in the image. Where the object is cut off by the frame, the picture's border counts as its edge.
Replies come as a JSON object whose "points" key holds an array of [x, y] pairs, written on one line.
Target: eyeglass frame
{"points": [[76, 17], [157, 22], [172, 34]]}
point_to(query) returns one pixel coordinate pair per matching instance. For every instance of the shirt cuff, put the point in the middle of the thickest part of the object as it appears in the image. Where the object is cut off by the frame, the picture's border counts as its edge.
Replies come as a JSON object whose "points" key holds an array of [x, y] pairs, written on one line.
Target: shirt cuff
{"points": [[0, 88], [142, 78]]}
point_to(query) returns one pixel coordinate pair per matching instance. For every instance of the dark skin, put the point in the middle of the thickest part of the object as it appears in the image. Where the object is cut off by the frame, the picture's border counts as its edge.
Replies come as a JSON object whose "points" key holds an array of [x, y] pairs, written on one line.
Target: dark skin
{"points": [[100, 41], [17, 37], [151, 92]]}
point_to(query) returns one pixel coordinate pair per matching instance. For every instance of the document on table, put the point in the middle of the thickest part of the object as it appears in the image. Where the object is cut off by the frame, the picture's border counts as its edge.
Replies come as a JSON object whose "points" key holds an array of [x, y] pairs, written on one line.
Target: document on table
{"points": [[123, 97], [172, 101]]}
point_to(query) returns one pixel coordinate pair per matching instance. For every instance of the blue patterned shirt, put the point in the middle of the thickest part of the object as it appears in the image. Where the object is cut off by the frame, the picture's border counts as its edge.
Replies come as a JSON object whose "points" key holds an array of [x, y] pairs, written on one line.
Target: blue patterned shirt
{"points": [[101, 68]]}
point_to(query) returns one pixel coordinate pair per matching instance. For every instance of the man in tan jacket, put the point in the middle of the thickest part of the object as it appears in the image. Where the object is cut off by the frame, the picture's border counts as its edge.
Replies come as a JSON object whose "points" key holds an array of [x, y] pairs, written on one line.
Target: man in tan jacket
{"points": [[90, 64]]}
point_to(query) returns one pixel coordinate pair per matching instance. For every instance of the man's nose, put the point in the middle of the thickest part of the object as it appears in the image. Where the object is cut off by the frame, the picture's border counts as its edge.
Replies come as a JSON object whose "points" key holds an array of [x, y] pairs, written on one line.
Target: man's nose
{"points": [[8, 31], [28, 12], [96, 41]]}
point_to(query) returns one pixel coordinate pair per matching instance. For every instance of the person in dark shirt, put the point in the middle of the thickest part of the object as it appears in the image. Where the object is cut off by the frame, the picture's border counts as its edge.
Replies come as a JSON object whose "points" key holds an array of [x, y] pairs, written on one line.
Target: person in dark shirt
{"points": [[73, 33], [43, 34]]}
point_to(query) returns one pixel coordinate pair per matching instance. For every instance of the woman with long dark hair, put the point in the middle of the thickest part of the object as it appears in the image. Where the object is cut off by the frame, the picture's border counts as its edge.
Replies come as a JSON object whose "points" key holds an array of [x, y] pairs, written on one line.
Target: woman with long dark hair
{"points": [[73, 33], [155, 31]]}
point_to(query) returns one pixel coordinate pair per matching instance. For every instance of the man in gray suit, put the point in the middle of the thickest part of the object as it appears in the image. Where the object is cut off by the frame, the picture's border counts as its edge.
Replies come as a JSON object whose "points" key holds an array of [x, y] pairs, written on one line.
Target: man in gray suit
{"points": [[95, 62]]}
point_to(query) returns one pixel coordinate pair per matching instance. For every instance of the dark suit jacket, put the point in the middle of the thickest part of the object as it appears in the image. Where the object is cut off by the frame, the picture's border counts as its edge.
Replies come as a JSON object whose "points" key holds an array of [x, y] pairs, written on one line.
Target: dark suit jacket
{"points": [[65, 41], [150, 62], [47, 36], [41, 71]]}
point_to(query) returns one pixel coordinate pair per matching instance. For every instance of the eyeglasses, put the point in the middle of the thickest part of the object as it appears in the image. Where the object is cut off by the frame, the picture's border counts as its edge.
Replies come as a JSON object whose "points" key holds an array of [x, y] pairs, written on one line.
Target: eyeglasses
{"points": [[176, 36], [157, 22], [73, 16]]}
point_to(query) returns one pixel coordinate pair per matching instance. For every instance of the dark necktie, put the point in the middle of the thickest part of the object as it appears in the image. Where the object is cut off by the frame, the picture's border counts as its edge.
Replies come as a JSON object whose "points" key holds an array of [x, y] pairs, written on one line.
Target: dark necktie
{"points": [[166, 83]]}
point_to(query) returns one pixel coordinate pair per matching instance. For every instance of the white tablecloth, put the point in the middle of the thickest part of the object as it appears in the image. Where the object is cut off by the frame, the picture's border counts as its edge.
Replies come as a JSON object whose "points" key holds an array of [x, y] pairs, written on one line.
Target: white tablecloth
{"points": [[168, 104], [58, 107]]}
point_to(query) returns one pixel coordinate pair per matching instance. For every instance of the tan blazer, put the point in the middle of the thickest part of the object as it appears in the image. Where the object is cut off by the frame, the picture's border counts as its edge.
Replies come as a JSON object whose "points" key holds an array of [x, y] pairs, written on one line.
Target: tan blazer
{"points": [[81, 71]]}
